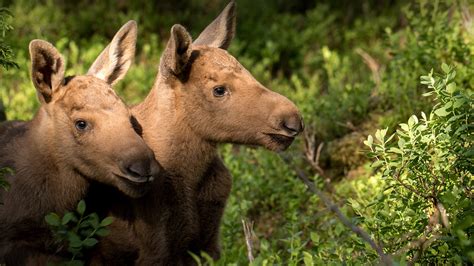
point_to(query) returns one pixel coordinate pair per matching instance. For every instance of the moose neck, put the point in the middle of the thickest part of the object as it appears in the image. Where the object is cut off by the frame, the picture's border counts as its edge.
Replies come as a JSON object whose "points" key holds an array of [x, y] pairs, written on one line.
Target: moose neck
{"points": [[179, 149]]}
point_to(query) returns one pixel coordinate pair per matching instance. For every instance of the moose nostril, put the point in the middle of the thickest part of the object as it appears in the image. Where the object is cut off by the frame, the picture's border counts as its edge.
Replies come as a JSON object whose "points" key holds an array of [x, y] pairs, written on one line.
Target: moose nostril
{"points": [[139, 169], [293, 125]]}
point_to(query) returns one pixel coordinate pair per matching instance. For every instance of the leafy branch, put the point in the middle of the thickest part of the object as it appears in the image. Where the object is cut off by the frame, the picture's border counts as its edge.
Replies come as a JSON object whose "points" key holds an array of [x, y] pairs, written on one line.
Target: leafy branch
{"points": [[78, 230]]}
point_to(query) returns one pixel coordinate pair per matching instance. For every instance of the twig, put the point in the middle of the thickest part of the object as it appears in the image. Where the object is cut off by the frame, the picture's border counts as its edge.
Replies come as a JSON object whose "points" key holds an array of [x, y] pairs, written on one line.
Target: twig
{"points": [[408, 187], [467, 20], [348, 125], [443, 214], [248, 232], [373, 65], [313, 153], [385, 258], [418, 243], [422, 243]]}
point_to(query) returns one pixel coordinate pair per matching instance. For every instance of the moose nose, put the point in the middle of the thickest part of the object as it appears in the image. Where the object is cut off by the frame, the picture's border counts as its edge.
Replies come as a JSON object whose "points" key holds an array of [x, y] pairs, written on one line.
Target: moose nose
{"points": [[293, 125], [145, 168], [139, 169]]}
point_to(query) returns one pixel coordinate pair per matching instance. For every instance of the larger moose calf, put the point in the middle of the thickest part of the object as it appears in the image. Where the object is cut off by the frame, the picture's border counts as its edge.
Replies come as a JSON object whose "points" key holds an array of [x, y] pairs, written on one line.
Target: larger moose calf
{"points": [[202, 97], [82, 132]]}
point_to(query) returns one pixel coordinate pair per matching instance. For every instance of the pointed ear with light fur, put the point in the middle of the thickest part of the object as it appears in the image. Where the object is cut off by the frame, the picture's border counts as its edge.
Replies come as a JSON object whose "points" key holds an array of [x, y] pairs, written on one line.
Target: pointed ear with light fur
{"points": [[115, 60], [221, 31]]}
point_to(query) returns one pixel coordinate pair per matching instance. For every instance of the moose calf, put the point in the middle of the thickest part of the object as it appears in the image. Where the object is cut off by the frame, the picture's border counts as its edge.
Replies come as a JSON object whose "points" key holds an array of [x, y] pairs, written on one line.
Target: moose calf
{"points": [[202, 96], [81, 133]]}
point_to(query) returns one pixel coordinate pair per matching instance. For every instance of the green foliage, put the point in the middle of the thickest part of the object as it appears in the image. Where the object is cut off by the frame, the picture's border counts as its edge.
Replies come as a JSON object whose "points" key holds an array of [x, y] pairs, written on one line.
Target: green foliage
{"points": [[6, 61], [6, 53], [3, 172], [77, 231], [427, 165], [350, 67], [436, 33]]}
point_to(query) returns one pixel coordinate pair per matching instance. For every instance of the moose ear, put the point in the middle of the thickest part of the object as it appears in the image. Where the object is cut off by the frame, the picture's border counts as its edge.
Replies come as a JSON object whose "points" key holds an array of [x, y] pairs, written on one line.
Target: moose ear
{"points": [[177, 51], [47, 69], [221, 31], [115, 60]]}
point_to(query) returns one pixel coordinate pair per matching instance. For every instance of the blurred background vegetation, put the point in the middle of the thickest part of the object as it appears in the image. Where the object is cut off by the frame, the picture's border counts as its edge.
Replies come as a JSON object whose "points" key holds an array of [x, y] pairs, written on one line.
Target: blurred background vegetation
{"points": [[350, 66]]}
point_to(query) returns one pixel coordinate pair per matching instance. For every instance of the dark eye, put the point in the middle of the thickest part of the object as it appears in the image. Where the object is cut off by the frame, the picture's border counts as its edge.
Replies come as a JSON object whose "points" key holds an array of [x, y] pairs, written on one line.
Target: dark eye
{"points": [[81, 125], [220, 91]]}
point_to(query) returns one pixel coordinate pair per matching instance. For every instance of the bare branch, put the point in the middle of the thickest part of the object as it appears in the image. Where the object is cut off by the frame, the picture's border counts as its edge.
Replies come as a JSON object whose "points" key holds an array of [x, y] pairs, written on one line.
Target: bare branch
{"points": [[313, 153], [467, 20], [248, 232], [385, 258], [443, 214], [373, 65], [425, 241]]}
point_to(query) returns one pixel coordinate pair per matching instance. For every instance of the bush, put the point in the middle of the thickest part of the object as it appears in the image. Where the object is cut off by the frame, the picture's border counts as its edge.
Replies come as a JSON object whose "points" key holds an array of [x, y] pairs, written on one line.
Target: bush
{"points": [[427, 168], [6, 53]]}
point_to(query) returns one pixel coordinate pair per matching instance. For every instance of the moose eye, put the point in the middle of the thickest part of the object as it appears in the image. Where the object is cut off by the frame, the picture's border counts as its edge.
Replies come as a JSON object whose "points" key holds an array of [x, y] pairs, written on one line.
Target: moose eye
{"points": [[220, 91], [81, 125]]}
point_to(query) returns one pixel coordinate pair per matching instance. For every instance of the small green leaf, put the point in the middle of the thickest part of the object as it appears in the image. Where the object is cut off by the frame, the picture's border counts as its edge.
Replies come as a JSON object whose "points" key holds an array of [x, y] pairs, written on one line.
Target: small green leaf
{"points": [[451, 75], [102, 232], [107, 221], [395, 150], [74, 240], [426, 80], [207, 258], [377, 135], [53, 219], [451, 87], [401, 143], [92, 220], [445, 68], [81, 207], [404, 127], [448, 105], [69, 216], [458, 103], [413, 120], [308, 259], [314, 237], [442, 112], [380, 134], [90, 242], [376, 164], [423, 115]]}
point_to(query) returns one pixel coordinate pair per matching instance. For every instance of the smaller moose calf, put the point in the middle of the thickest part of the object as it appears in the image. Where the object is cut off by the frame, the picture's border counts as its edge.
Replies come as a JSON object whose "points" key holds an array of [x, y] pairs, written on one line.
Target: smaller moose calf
{"points": [[82, 132]]}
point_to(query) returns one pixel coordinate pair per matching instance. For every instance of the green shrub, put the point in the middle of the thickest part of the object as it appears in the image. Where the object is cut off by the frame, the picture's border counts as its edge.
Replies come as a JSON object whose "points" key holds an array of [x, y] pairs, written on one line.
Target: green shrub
{"points": [[77, 231], [6, 61], [6, 53], [435, 33], [427, 168]]}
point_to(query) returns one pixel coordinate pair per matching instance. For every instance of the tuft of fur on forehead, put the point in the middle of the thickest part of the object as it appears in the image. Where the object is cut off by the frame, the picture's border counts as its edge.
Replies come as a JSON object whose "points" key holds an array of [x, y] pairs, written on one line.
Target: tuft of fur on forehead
{"points": [[217, 59], [88, 91]]}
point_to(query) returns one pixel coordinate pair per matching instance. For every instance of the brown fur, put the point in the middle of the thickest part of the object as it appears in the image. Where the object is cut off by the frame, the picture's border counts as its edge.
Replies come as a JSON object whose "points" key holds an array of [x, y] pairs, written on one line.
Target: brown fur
{"points": [[54, 161], [183, 122]]}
